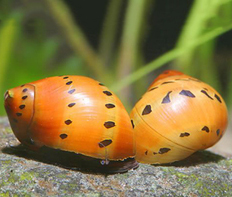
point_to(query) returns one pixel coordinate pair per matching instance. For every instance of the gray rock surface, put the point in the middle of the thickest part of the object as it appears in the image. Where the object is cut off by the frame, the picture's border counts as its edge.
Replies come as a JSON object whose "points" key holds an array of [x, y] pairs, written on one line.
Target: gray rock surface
{"points": [[24, 173]]}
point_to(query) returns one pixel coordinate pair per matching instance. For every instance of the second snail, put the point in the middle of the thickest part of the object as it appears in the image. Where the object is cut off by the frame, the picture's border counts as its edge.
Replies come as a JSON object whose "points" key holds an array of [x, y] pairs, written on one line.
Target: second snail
{"points": [[177, 116]]}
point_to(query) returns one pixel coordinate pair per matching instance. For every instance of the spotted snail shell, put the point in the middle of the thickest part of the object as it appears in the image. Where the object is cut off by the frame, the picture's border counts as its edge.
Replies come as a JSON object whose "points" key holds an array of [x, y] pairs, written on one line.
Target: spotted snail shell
{"points": [[177, 116], [71, 113]]}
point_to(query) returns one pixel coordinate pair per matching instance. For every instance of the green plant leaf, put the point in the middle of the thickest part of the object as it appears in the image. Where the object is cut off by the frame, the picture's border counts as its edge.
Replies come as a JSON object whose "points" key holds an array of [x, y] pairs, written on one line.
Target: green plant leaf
{"points": [[169, 56]]}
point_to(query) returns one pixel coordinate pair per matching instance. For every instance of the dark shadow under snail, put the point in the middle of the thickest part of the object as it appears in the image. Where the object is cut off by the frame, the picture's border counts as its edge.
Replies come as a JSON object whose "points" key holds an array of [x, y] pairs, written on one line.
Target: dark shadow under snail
{"points": [[72, 161]]}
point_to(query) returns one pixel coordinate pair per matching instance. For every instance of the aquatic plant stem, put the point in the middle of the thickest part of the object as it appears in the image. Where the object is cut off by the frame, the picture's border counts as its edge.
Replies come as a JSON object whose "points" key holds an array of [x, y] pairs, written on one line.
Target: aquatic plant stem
{"points": [[8, 34], [76, 38], [109, 32], [130, 43]]}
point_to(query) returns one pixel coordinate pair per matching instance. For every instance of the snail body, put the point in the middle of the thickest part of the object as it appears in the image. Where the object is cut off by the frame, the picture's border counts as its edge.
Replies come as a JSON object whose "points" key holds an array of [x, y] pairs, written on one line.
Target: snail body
{"points": [[177, 116], [71, 113]]}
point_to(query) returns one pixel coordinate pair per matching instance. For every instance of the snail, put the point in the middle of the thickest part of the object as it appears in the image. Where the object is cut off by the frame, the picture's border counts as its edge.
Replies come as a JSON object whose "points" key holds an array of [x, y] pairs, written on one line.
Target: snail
{"points": [[71, 113], [177, 116]]}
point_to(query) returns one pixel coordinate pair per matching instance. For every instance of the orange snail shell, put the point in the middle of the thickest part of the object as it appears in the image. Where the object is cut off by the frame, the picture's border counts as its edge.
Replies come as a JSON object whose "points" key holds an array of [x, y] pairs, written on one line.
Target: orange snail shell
{"points": [[177, 116], [71, 113]]}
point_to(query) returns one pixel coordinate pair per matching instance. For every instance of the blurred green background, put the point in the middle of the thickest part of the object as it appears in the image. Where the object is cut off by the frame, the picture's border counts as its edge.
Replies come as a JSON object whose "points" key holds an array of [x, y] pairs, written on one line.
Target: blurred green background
{"points": [[123, 44]]}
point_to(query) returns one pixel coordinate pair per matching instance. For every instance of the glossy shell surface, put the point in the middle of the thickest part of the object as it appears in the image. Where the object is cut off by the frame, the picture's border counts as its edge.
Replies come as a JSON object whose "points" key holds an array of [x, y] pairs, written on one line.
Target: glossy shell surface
{"points": [[177, 116], [72, 113]]}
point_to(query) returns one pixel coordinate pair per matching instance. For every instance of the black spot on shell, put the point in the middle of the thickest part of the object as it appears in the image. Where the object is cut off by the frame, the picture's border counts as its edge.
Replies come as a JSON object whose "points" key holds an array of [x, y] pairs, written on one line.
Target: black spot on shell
{"points": [[71, 104], [187, 93], [147, 110], [107, 93], [65, 77], [63, 136], [164, 150], [109, 105], [109, 124], [155, 153], [104, 143], [18, 114], [22, 85], [101, 84], [24, 97], [185, 134], [205, 93], [15, 120], [218, 98], [166, 99], [67, 122], [146, 152], [206, 129], [69, 83], [153, 88], [218, 132], [166, 82], [71, 91], [25, 89], [22, 106], [132, 124]]}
